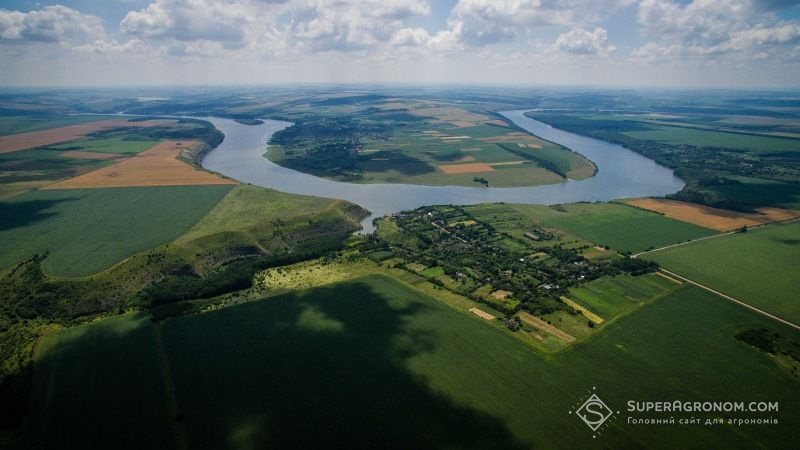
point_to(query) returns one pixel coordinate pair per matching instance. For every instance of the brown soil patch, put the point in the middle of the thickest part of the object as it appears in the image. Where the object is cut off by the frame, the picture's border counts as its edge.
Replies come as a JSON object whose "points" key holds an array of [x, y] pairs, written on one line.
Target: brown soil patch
{"points": [[449, 114], [465, 168], [714, 218], [534, 145], [512, 138], [544, 326], [466, 158], [79, 154], [499, 295], [21, 141], [497, 122], [508, 163], [481, 314], [156, 166], [663, 275], [462, 123]]}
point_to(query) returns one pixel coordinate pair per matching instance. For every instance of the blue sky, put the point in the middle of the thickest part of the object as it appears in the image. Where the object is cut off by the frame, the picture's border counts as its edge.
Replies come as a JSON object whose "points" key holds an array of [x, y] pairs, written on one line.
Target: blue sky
{"points": [[690, 43]]}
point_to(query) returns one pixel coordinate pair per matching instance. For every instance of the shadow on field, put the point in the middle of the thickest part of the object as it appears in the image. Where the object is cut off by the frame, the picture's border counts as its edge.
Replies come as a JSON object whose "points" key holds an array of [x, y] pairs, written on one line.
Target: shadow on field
{"points": [[320, 370], [19, 214], [388, 160]]}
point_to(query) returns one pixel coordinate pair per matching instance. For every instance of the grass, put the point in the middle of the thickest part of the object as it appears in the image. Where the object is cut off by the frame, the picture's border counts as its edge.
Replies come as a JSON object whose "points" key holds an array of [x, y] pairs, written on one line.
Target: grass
{"points": [[248, 207], [760, 267], [365, 362], [88, 230]]}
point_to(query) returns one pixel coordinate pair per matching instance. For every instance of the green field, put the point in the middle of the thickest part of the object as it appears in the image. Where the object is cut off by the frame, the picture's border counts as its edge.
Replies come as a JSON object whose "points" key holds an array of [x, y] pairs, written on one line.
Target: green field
{"points": [[611, 296], [370, 363], [118, 146], [118, 396], [704, 138], [760, 267], [26, 124], [88, 230], [618, 226], [249, 207]]}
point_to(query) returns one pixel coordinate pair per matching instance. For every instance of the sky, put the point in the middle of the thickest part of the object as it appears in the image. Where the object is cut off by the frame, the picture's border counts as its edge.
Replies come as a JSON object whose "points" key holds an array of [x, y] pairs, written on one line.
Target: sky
{"points": [[627, 43]]}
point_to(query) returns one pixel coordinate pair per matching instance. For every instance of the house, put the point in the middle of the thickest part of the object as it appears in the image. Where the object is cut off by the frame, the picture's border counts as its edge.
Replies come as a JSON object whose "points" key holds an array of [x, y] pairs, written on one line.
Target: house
{"points": [[530, 235]]}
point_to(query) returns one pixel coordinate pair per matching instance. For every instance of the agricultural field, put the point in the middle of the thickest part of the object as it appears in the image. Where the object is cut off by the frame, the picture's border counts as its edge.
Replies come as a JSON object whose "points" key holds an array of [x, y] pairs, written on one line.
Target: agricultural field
{"points": [[447, 375], [759, 267], [609, 297], [714, 218], [22, 170], [88, 230], [617, 226], [708, 138], [21, 141], [427, 143], [24, 124], [156, 166]]}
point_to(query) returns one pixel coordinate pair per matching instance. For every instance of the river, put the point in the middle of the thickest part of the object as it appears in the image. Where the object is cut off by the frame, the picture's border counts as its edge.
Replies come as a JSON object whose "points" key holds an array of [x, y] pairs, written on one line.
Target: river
{"points": [[621, 173]]}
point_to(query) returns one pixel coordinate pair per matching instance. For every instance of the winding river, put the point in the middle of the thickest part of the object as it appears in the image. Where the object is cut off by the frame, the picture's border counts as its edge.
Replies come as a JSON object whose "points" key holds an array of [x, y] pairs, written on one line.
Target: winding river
{"points": [[621, 173]]}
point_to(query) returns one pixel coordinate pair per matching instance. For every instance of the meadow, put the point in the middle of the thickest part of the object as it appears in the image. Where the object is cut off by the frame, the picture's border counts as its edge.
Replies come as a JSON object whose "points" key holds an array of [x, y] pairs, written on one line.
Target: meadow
{"points": [[88, 230], [759, 267], [361, 363]]}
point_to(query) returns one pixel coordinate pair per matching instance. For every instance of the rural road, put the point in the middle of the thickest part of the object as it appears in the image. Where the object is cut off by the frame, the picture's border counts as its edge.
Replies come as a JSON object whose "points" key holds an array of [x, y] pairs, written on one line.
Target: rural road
{"points": [[728, 297], [714, 291]]}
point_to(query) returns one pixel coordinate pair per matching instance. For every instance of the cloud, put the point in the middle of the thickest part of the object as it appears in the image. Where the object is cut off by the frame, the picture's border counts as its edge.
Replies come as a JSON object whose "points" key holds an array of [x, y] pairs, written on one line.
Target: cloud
{"points": [[191, 20], [712, 29], [583, 42], [484, 22], [348, 25], [51, 24]]}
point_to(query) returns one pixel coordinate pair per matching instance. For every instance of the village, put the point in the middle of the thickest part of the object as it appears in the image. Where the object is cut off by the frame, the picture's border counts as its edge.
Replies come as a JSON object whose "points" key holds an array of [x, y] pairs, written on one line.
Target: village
{"points": [[456, 251]]}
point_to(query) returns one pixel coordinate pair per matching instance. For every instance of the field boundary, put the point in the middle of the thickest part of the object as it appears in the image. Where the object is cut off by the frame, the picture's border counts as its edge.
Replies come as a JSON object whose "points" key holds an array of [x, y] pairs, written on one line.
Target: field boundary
{"points": [[729, 298], [679, 244]]}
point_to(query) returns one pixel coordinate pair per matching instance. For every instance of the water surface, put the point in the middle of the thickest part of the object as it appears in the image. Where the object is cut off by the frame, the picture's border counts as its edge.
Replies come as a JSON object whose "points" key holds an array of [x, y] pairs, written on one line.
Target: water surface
{"points": [[621, 173]]}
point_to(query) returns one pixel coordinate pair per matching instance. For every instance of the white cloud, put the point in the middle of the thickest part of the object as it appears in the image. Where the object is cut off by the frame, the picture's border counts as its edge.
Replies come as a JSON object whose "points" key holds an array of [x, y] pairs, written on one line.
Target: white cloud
{"points": [[51, 24], [483, 22], [345, 25], [191, 20], [583, 42], [707, 29]]}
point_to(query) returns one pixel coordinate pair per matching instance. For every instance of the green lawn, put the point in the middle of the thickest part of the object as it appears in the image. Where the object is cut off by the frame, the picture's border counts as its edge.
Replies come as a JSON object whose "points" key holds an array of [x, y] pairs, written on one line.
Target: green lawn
{"points": [[370, 363], [702, 138], [760, 267], [88, 230]]}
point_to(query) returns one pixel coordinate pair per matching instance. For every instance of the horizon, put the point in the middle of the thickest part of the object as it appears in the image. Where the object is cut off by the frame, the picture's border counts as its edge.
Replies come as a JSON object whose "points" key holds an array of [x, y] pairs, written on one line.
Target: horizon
{"points": [[628, 44]]}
